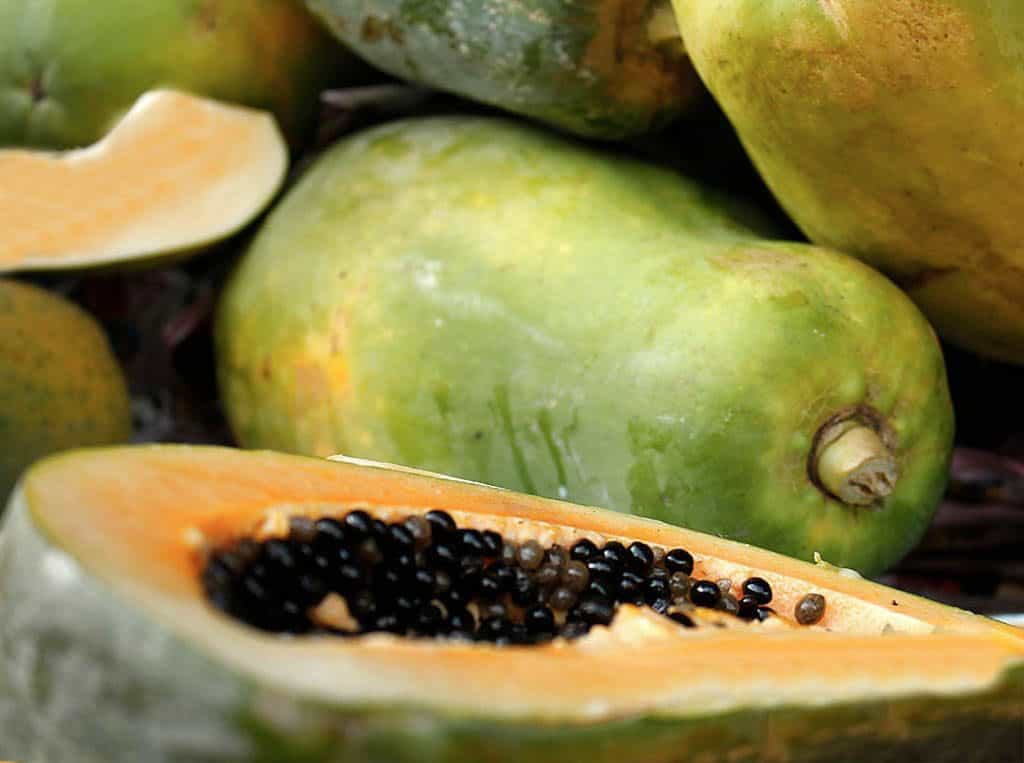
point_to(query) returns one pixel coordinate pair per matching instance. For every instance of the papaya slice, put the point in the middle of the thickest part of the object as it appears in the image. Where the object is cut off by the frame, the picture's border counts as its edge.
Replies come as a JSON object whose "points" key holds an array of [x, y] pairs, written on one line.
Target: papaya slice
{"points": [[102, 557], [177, 172]]}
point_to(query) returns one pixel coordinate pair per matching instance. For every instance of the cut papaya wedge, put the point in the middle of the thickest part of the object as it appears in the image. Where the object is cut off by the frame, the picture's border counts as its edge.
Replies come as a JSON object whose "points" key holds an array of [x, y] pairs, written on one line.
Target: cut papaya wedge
{"points": [[105, 582], [177, 172]]}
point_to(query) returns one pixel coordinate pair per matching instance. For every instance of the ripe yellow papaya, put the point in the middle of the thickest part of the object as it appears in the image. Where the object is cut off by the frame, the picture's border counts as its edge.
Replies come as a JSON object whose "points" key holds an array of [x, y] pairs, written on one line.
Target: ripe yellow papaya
{"points": [[891, 130]]}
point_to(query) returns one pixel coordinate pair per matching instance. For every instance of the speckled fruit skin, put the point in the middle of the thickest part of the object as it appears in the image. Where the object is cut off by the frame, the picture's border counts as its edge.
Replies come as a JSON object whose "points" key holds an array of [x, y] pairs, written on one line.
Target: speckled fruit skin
{"points": [[476, 298], [889, 129], [586, 66], [70, 68], [60, 386]]}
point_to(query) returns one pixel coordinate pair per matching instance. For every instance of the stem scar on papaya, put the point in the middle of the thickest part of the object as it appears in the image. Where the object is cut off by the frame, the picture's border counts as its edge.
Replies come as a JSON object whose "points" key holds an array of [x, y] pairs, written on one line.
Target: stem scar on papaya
{"points": [[852, 457], [126, 576]]}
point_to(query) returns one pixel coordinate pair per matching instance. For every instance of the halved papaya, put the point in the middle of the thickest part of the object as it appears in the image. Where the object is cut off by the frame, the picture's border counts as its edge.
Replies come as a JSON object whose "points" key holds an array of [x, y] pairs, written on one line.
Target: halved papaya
{"points": [[178, 172], [114, 650]]}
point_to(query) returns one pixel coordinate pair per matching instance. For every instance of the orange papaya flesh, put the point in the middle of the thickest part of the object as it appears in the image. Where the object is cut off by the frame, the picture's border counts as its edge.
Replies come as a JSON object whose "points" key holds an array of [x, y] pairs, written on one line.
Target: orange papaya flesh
{"points": [[120, 537], [176, 174]]}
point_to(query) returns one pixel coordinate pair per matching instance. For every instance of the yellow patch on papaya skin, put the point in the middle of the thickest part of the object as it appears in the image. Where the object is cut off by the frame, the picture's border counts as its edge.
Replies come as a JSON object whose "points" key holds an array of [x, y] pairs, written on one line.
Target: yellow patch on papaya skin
{"points": [[924, 36], [320, 376], [835, 11]]}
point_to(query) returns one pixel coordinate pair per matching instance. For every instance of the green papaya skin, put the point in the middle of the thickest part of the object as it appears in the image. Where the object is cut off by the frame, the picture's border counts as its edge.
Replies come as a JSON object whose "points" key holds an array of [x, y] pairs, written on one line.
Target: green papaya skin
{"points": [[889, 129], [600, 68], [70, 68], [475, 298]]}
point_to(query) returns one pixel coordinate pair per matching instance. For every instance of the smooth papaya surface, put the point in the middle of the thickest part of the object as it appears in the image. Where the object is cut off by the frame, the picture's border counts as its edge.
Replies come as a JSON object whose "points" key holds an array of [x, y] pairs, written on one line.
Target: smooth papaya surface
{"points": [[69, 69], [177, 173], [600, 68], [113, 654], [476, 298], [889, 129], [60, 385]]}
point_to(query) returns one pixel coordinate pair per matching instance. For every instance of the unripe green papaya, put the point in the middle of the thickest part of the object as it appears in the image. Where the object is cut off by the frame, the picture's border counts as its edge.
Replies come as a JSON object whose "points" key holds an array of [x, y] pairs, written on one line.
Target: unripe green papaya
{"points": [[600, 68], [475, 297], [69, 69], [892, 130], [60, 385]]}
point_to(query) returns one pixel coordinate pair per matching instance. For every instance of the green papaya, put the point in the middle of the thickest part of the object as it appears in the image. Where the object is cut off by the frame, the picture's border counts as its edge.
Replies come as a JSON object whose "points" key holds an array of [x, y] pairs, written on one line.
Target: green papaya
{"points": [[599, 68], [60, 385], [481, 299], [889, 129], [69, 69]]}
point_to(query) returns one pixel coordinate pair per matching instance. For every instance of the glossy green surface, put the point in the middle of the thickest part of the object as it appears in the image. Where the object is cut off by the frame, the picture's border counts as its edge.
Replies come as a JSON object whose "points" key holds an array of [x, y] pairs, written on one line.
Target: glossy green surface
{"points": [[70, 68], [889, 129], [475, 298], [601, 68]]}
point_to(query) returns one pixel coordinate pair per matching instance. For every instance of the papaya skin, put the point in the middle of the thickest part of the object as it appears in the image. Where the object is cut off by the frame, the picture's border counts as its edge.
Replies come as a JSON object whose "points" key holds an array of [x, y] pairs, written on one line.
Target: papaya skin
{"points": [[70, 68], [114, 667], [889, 129], [475, 298], [601, 68], [60, 385]]}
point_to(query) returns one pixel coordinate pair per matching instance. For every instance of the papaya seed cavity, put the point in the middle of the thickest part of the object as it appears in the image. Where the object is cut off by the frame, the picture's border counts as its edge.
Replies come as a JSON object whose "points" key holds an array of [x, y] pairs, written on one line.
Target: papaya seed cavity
{"points": [[425, 576]]}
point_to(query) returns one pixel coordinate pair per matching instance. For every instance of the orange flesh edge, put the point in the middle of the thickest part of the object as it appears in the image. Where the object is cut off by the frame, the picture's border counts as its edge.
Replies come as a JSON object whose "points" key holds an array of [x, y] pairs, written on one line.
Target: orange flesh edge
{"points": [[141, 179], [126, 514]]}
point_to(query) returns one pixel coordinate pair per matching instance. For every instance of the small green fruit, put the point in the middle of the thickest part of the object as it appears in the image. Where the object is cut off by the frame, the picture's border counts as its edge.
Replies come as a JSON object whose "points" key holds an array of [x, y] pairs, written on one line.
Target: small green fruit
{"points": [[60, 386], [70, 68]]}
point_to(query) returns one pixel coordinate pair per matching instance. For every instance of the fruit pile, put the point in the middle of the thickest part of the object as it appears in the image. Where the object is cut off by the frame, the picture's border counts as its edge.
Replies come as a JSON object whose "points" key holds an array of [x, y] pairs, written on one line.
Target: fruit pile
{"points": [[521, 246]]}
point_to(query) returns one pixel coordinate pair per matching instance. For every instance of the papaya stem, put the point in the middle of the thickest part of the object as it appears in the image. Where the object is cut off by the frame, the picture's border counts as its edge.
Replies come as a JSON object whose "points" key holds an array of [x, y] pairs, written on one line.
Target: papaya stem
{"points": [[662, 27], [854, 465]]}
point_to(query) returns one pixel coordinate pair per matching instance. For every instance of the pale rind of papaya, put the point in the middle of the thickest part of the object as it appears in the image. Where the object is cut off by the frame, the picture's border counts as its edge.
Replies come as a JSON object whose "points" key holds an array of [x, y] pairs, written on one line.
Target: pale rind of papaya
{"points": [[109, 669], [69, 69], [599, 68], [892, 130], [60, 385], [479, 299]]}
